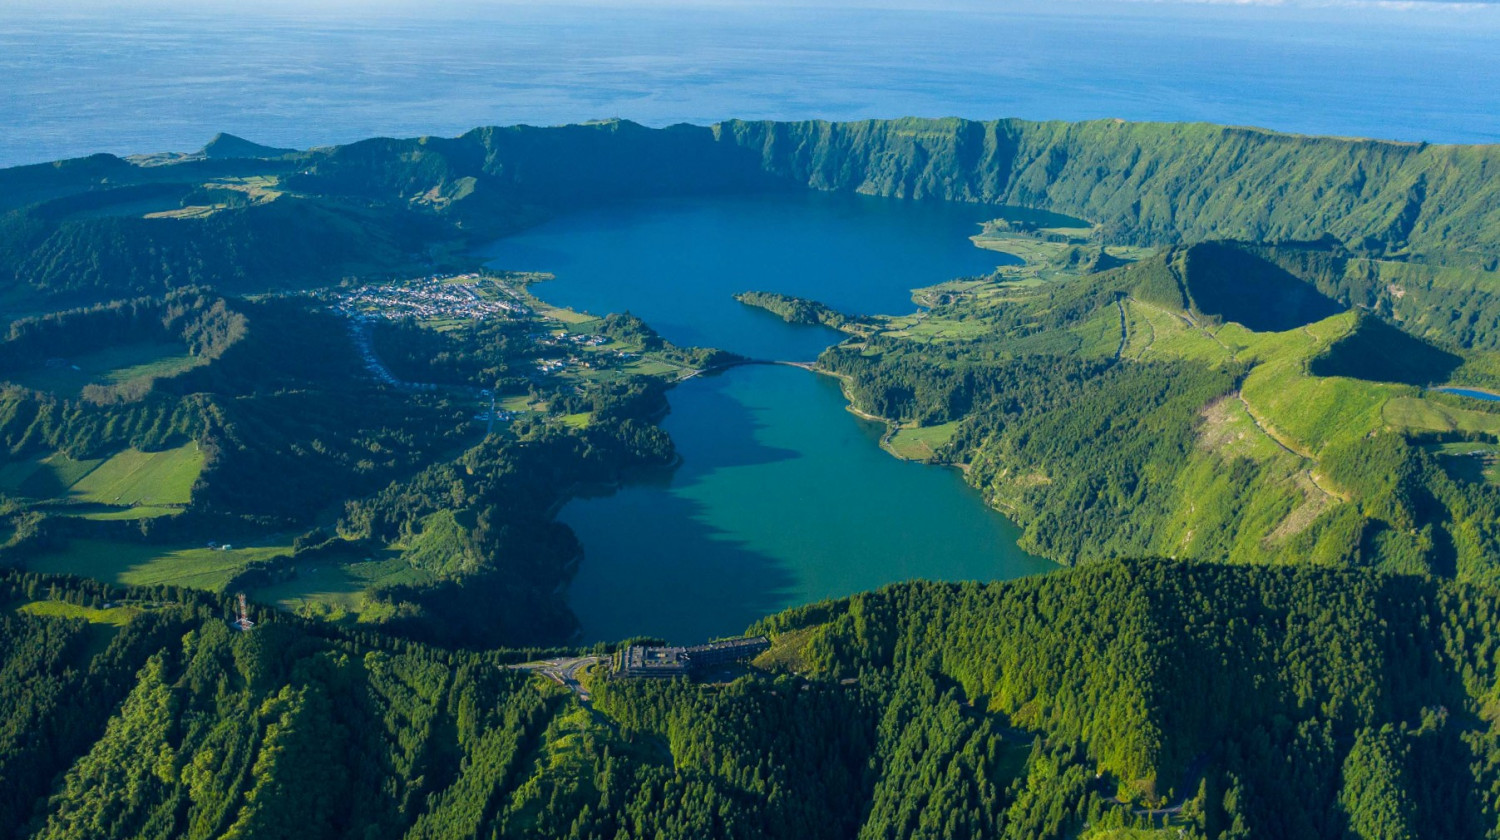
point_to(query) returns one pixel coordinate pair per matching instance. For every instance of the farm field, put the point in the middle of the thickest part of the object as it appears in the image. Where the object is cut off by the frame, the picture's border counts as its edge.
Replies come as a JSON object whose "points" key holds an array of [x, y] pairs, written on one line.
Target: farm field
{"points": [[148, 565], [334, 588], [921, 443], [129, 485], [112, 366]]}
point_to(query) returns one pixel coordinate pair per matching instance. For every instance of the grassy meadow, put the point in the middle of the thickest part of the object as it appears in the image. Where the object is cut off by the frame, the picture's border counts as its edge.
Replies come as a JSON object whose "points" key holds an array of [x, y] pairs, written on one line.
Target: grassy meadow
{"points": [[111, 366], [148, 565], [128, 485]]}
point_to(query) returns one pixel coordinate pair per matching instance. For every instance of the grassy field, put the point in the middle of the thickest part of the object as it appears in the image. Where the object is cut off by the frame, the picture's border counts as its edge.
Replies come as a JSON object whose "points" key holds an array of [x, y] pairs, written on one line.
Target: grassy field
{"points": [[332, 589], [1470, 461], [116, 616], [927, 328], [519, 402], [147, 565], [921, 443], [129, 485], [44, 478], [134, 478], [110, 367]]}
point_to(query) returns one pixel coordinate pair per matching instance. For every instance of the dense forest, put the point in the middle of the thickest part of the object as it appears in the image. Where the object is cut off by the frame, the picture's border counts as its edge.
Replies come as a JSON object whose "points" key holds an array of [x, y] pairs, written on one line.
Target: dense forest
{"points": [[1325, 703], [795, 310]]}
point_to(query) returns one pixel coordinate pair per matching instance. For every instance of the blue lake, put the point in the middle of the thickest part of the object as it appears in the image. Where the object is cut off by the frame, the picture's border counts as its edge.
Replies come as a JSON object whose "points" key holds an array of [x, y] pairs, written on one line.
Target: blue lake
{"points": [[783, 496], [678, 263], [1469, 392]]}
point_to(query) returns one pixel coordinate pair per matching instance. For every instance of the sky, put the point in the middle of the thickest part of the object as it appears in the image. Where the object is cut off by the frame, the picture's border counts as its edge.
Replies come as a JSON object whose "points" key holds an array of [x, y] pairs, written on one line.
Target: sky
{"points": [[313, 7]]}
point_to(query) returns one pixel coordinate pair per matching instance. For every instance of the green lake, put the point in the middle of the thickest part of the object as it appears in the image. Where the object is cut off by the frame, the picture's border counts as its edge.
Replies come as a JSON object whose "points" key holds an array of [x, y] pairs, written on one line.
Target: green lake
{"points": [[782, 496]]}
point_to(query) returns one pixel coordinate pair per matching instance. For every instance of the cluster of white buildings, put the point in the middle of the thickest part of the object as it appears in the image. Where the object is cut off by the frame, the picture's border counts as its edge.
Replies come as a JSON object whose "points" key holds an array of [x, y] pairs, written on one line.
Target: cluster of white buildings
{"points": [[451, 296]]}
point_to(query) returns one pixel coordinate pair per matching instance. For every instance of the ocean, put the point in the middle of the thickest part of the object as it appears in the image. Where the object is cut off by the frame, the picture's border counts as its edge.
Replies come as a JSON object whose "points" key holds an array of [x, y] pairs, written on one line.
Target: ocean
{"points": [[166, 76]]}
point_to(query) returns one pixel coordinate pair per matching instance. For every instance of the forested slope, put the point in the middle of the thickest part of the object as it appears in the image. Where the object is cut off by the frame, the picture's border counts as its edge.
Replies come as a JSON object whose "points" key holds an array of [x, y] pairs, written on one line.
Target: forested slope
{"points": [[1142, 183], [1157, 183], [1324, 704]]}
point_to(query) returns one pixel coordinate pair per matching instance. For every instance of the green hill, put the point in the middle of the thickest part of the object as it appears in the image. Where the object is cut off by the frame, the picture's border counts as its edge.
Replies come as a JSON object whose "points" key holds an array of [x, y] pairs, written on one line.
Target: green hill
{"points": [[1379, 352], [229, 146], [1156, 183], [1322, 702], [1140, 183]]}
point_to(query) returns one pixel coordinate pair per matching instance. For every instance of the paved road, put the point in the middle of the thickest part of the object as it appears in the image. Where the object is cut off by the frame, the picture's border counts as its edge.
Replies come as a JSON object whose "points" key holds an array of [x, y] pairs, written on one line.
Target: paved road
{"points": [[564, 672]]}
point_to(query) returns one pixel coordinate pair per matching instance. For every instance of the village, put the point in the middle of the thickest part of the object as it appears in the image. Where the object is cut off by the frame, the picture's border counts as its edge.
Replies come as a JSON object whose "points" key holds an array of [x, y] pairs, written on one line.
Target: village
{"points": [[445, 301], [469, 296]]}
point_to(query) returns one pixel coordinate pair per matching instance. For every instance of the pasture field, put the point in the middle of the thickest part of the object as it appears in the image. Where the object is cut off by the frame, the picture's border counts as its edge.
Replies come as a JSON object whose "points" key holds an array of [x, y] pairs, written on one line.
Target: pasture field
{"points": [[921, 443], [111, 366], [44, 478], [128, 485], [332, 589], [137, 564], [133, 477]]}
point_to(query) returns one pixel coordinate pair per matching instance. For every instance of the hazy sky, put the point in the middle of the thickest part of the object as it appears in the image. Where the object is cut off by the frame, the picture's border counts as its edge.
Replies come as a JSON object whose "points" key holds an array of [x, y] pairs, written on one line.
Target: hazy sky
{"points": [[446, 7]]}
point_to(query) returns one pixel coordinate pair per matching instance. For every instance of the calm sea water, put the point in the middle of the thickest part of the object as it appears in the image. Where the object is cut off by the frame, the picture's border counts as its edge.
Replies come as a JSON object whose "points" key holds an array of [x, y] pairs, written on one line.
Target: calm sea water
{"points": [[82, 76], [783, 496]]}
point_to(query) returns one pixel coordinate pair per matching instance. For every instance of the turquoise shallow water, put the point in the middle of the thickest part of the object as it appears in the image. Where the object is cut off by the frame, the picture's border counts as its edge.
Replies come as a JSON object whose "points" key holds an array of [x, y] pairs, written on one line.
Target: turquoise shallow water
{"points": [[783, 496]]}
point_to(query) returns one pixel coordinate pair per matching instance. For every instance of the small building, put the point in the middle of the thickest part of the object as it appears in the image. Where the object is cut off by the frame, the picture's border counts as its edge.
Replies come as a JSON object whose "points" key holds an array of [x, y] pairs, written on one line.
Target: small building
{"points": [[667, 662]]}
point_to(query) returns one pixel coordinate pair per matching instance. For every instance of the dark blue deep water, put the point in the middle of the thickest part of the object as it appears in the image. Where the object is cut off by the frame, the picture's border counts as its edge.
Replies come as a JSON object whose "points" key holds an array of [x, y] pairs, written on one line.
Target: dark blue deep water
{"points": [[679, 263], [82, 76]]}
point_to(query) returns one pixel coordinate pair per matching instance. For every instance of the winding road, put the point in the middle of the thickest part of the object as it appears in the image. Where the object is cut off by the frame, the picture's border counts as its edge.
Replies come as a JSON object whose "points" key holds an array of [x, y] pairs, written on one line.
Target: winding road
{"points": [[564, 672]]}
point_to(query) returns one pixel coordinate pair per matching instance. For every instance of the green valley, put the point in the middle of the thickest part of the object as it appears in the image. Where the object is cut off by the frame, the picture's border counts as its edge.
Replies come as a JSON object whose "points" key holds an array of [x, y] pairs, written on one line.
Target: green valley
{"points": [[1201, 368]]}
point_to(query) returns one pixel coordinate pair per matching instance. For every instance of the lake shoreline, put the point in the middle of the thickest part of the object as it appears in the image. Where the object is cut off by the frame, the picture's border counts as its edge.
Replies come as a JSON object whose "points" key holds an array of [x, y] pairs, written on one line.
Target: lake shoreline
{"points": [[775, 497]]}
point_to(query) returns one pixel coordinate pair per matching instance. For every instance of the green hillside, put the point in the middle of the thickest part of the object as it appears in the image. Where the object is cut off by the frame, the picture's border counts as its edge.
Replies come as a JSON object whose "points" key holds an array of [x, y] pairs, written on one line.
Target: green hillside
{"points": [[142, 478], [129, 483], [1156, 183], [77, 232], [1323, 702], [1136, 412]]}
